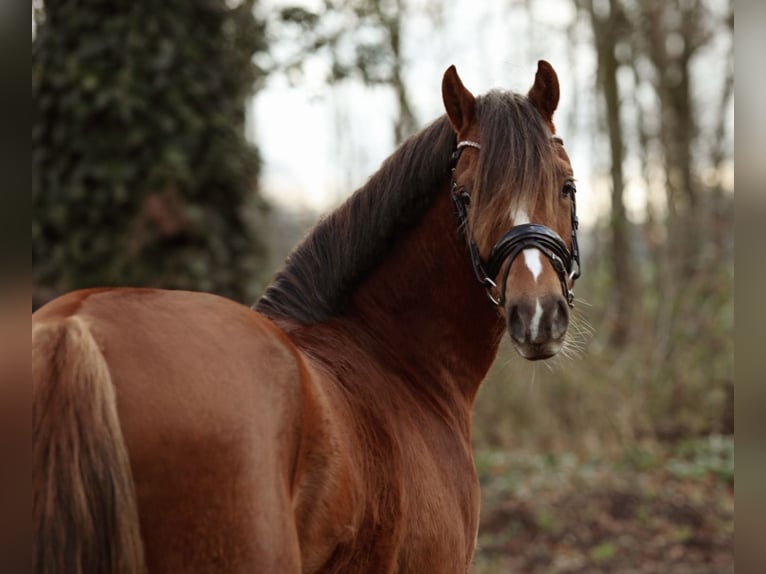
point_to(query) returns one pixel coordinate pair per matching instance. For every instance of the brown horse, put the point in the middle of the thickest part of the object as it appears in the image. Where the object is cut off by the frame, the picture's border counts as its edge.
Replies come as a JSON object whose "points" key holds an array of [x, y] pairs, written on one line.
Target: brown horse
{"points": [[328, 429]]}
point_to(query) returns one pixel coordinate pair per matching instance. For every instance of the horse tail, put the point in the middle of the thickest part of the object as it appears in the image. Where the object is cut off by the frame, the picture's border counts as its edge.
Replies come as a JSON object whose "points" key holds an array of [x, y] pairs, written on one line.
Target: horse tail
{"points": [[85, 517]]}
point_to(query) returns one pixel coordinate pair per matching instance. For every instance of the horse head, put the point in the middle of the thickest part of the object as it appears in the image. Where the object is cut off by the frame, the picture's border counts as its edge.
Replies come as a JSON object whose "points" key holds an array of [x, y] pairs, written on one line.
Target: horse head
{"points": [[514, 193]]}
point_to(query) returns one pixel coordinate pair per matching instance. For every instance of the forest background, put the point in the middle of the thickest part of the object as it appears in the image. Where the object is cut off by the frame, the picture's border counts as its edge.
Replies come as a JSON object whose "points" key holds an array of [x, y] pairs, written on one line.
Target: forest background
{"points": [[191, 144]]}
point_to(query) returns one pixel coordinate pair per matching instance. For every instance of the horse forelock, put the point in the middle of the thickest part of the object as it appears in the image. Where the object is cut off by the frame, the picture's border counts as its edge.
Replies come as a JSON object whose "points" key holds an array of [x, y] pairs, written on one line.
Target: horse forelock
{"points": [[517, 165], [319, 276]]}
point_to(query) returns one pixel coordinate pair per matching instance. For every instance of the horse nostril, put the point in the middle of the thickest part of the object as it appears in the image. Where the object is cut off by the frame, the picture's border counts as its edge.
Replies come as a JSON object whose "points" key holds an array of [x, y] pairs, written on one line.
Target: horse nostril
{"points": [[516, 325], [559, 319]]}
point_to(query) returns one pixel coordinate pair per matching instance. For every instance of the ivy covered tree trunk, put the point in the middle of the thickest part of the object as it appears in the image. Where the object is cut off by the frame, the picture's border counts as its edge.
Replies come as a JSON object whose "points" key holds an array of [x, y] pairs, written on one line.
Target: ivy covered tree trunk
{"points": [[141, 174]]}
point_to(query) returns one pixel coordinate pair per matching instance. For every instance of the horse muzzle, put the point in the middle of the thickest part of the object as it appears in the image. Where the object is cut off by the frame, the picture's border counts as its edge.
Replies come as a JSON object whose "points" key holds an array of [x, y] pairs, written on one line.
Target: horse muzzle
{"points": [[537, 326]]}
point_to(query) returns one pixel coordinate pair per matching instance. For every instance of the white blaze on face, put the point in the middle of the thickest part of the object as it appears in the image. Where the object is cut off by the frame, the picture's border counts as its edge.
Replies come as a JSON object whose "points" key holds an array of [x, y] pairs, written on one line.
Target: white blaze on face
{"points": [[531, 256], [533, 261], [534, 324]]}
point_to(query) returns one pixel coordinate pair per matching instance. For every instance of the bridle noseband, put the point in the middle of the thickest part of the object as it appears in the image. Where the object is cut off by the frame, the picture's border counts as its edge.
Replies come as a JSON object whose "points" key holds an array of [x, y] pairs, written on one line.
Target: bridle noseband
{"points": [[517, 239]]}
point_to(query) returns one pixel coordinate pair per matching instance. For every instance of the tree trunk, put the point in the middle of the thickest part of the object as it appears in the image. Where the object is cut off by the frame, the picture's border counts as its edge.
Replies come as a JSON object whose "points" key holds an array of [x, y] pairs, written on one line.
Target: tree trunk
{"points": [[621, 259], [405, 124]]}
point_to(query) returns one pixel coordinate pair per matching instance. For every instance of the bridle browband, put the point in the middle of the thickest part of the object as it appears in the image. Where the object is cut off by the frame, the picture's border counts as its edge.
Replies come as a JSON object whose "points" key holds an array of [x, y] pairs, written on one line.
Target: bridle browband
{"points": [[566, 263]]}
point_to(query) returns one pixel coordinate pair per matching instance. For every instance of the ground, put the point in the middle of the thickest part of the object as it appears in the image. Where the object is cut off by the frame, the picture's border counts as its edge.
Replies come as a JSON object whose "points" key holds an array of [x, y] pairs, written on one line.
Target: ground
{"points": [[663, 510]]}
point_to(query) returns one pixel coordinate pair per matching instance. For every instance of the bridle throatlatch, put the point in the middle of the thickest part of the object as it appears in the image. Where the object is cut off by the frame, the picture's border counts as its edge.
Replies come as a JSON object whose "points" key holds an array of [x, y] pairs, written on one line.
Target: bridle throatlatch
{"points": [[566, 263]]}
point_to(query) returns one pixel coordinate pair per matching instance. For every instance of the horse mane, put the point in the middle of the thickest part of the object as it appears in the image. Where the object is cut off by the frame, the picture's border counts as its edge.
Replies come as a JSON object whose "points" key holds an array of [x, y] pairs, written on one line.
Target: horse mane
{"points": [[325, 269]]}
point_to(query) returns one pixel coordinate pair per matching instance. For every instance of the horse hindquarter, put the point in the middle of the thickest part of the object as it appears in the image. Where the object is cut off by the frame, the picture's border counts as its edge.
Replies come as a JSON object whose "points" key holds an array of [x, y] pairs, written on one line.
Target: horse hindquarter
{"points": [[209, 403]]}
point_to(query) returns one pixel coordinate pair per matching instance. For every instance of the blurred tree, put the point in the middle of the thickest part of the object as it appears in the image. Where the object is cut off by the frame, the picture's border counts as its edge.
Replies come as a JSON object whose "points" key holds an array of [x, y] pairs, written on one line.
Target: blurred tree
{"points": [[657, 105], [141, 174], [608, 26], [668, 40], [363, 39]]}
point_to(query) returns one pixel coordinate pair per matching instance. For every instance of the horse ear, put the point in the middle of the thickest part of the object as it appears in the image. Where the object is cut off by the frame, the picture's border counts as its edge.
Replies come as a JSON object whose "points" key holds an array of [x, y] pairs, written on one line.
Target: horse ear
{"points": [[458, 101], [544, 94]]}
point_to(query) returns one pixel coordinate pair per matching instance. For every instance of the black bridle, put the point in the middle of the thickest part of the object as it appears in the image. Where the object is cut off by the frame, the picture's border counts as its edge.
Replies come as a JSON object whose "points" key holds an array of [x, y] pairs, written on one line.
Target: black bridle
{"points": [[520, 237]]}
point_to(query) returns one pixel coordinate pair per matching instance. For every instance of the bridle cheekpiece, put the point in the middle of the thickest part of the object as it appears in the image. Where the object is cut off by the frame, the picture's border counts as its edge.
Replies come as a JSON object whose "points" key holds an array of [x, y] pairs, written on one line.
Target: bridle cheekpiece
{"points": [[566, 263]]}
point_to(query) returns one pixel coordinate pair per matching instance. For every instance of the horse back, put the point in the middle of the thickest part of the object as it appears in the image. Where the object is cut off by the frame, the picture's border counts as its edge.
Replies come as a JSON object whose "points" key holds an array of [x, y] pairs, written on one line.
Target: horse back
{"points": [[210, 402]]}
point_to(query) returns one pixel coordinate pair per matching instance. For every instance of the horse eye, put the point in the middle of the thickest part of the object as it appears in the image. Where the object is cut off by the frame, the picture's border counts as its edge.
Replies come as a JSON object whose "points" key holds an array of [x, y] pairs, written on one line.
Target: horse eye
{"points": [[569, 188]]}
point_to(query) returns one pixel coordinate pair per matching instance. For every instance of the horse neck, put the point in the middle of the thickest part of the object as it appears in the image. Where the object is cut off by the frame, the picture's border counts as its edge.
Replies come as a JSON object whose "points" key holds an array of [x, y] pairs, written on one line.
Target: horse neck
{"points": [[424, 311]]}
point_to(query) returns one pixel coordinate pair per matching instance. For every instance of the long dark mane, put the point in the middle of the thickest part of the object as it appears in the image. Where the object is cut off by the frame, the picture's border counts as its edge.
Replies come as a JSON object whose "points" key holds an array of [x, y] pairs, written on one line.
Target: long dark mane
{"points": [[320, 275]]}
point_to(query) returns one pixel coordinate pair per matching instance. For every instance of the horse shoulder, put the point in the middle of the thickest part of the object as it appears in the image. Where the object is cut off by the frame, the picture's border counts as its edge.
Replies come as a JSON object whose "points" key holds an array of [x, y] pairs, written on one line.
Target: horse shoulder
{"points": [[326, 485]]}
